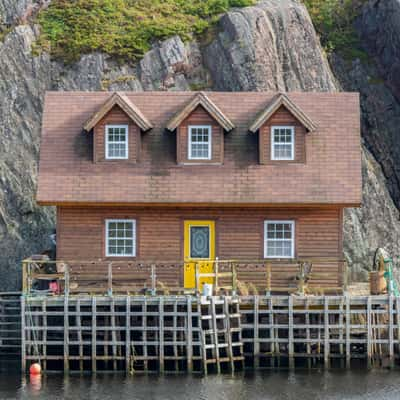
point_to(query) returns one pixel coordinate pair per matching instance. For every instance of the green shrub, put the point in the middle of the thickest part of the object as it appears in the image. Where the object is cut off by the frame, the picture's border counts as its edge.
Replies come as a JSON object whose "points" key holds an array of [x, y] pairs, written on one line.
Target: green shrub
{"points": [[124, 29], [334, 21]]}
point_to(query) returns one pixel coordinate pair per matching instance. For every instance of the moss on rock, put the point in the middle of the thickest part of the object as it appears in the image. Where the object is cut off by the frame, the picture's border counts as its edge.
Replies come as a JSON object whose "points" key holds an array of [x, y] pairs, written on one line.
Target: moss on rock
{"points": [[124, 29]]}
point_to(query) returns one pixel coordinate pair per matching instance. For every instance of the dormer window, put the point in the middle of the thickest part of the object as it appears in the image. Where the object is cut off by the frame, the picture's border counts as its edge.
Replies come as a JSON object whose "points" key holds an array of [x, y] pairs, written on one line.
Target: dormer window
{"points": [[282, 143], [199, 142], [116, 142]]}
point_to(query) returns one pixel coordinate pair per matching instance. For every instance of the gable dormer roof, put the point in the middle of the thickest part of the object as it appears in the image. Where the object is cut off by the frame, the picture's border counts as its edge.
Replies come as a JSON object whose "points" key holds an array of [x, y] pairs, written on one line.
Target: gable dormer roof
{"points": [[201, 99], [282, 100], [119, 99]]}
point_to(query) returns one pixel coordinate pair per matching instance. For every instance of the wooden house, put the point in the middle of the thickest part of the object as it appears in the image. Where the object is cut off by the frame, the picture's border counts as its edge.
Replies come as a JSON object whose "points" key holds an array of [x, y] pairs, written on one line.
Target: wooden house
{"points": [[182, 179]]}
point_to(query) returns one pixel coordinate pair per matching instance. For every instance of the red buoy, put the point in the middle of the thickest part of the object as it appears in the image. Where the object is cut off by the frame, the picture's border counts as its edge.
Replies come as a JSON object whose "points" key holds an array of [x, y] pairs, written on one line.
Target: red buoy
{"points": [[35, 369]]}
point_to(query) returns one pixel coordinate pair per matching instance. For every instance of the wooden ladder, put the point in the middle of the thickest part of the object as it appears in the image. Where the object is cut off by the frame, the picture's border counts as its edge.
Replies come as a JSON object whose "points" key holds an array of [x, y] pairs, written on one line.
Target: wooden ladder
{"points": [[221, 333]]}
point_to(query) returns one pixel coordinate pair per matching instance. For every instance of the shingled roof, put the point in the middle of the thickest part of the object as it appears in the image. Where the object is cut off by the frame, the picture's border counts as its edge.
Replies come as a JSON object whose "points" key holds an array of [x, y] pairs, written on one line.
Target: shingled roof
{"points": [[201, 99], [331, 174], [120, 100]]}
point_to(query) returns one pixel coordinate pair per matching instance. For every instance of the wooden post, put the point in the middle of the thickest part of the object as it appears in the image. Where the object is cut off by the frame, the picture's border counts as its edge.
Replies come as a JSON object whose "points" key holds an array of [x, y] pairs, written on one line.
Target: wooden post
{"points": [[348, 323], [197, 277], [228, 333], [94, 334], [256, 345], [308, 336], [326, 333], [290, 329], [216, 275], [113, 333], [391, 335], [272, 331], [215, 333], [369, 332], [234, 279], [79, 328], [24, 277], [66, 333], [66, 280], [109, 279], [44, 335], [23, 337], [269, 279], [161, 332], [189, 335], [128, 334], [153, 280]]}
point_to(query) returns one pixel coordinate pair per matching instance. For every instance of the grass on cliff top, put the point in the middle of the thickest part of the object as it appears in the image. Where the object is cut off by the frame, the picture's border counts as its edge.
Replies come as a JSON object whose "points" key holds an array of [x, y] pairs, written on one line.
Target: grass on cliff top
{"points": [[124, 29], [334, 22]]}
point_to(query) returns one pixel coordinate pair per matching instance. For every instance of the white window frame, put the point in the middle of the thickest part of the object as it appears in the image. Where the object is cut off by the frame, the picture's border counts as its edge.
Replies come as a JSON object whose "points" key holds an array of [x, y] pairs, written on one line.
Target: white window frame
{"points": [[190, 157], [133, 221], [273, 157], [293, 224], [126, 127]]}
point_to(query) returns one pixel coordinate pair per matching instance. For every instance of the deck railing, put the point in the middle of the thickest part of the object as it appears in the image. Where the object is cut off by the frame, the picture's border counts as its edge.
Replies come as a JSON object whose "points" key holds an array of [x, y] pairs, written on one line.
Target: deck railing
{"points": [[314, 275]]}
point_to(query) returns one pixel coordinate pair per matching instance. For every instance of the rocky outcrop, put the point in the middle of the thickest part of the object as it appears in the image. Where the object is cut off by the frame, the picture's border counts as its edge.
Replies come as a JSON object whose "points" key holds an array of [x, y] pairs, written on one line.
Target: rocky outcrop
{"points": [[378, 81], [376, 78], [270, 46], [375, 224], [379, 29], [13, 12]]}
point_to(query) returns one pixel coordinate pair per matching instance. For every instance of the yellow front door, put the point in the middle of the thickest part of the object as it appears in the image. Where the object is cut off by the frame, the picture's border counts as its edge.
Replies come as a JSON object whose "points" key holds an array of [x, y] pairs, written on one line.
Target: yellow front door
{"points": [[199, 248]]}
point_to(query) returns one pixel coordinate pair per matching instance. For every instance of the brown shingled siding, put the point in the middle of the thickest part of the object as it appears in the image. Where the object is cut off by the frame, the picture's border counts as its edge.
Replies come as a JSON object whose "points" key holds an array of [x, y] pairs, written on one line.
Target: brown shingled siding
{"points": [[284, 118], [239, 231], [200, 117], [116, 117]]}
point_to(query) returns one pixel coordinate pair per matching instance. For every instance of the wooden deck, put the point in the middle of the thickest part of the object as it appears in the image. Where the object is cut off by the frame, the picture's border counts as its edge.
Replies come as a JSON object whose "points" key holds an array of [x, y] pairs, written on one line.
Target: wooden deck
{"points": [[314, 276]]}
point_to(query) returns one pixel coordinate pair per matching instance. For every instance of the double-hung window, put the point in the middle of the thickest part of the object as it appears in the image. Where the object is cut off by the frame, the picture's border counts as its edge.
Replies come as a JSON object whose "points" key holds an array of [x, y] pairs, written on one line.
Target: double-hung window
{"points": [[199, 142], [116, 142], [282, 143], [120, 238], [279, 239]]}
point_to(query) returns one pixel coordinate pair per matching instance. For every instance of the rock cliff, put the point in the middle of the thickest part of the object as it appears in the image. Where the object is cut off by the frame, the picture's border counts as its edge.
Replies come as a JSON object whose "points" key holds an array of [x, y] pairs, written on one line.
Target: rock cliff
{"points": [[269, 46]]}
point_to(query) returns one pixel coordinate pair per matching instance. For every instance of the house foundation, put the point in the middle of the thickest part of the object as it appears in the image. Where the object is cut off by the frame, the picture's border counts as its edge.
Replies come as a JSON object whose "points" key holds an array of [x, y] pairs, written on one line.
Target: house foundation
{"points": [[195, 334]]}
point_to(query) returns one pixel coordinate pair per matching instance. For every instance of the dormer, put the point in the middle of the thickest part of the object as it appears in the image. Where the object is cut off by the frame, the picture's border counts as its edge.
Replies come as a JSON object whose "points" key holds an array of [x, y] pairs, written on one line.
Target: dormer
{"points": [[200, 128], [282, 128], [117, 127]]}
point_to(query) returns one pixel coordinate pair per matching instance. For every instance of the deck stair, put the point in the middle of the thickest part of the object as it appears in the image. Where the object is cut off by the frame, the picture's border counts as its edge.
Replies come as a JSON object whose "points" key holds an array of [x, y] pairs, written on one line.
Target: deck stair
{"points": [[221, 334], [10, 324]]}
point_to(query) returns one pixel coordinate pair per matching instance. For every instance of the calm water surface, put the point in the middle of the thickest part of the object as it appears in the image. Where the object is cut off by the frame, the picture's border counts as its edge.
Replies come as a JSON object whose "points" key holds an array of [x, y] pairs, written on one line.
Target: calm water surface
{"points": [[301, 385]]}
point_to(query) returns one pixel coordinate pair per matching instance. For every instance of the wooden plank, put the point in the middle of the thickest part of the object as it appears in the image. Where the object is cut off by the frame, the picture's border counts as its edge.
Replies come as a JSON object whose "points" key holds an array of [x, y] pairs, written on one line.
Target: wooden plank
{"points": [[23, 335], [128, 334], [256, 345], [161, 333], [290, 333], [391, 333], [369, 332], [348, 322], [189, 335], [66, 333], [326, 333], [94, 335]]}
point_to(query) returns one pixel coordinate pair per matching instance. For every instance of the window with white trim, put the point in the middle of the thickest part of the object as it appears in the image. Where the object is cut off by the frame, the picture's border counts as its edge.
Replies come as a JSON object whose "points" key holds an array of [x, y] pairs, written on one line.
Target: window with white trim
{"points": [[282, 143], [120, 238], [279, 239], [199, 142], [116, 142]]}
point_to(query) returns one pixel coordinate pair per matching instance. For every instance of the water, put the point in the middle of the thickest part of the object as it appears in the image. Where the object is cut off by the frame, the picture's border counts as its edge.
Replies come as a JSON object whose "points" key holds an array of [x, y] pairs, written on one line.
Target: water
{"points": [[299, 385]]}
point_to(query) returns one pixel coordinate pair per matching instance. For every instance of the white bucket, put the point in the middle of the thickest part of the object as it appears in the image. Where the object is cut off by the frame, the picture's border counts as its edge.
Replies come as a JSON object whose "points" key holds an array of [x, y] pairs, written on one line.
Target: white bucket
{"points": [[207, 289]]}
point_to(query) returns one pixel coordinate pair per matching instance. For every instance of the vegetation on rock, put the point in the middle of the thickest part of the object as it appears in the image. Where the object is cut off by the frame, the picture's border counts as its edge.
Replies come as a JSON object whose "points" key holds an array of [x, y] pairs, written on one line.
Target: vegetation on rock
{"points": [[334, 21], [124, 29]]}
